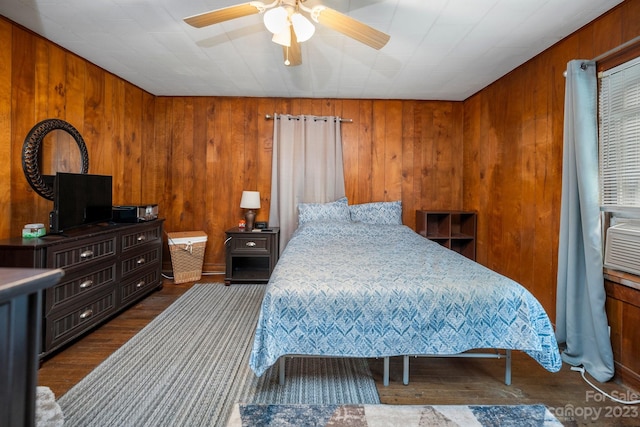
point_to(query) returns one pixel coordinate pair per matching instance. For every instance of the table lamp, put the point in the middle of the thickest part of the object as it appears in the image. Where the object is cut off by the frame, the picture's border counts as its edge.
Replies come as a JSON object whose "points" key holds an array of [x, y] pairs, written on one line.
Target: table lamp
{"points": [[250, 200]]}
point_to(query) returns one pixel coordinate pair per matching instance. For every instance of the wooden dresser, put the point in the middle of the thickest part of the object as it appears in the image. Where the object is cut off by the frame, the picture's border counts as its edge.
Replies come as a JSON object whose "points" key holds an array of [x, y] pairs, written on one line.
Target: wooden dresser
{"points": [[107, 268]]}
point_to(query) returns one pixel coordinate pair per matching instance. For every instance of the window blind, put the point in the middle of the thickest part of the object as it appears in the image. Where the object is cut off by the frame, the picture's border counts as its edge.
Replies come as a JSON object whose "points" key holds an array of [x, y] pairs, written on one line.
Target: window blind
{"points": [[619, 137]]}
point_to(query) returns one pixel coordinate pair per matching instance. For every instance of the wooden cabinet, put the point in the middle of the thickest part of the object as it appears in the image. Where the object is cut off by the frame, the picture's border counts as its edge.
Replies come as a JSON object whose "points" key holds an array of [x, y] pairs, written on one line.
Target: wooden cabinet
{"points": [[20, 317], [455, 230], [107, 268], [623, 313], [251, 256]]}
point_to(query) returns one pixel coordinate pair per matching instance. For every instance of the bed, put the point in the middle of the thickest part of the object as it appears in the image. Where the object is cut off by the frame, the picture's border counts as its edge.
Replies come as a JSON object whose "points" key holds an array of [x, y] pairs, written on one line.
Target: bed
{"points": [[356, 289]]}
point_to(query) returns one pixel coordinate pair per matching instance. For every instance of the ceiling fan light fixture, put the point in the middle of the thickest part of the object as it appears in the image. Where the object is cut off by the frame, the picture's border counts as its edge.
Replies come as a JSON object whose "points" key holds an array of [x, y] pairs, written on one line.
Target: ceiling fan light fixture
{"points": [[289, 28], [303, 28], [283, 38], [276, 20]]}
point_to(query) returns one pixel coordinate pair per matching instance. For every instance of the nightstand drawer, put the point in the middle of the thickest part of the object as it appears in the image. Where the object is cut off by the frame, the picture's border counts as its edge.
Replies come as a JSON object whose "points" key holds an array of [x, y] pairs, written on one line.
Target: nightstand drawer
{"points": [[254, 244]]}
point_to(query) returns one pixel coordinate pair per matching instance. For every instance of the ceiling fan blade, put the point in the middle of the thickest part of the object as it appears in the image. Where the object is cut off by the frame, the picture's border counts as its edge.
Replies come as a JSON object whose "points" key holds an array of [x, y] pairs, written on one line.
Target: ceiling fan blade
{"points": [[350, 27], [292, 54], [224, 14]]}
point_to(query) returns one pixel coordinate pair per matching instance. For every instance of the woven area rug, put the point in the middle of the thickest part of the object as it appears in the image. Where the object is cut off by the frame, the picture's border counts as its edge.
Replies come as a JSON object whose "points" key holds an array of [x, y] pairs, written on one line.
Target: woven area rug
{"points": [[190, 365], [392, 415]]}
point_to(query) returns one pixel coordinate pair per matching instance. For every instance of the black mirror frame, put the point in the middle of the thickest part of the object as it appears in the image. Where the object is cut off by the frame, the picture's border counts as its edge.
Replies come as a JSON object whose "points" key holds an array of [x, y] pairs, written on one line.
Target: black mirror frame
{"points": [[31, 153]]}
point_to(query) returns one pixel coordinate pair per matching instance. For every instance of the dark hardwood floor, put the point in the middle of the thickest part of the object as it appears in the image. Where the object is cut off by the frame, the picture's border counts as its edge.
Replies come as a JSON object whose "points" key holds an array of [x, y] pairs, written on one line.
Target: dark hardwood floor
{"points": [[432, 381]]}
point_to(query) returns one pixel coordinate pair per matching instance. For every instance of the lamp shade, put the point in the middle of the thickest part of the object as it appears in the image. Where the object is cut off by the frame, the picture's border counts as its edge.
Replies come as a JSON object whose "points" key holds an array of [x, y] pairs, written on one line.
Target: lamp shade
{"points": [[303, 28], [276, 20], [250, 200], [283, 38]]}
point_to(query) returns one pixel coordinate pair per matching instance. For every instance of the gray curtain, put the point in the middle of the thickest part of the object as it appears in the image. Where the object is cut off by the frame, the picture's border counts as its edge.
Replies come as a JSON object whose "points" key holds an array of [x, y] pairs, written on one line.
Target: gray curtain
{"points": [[581, 321], [306, 167]]}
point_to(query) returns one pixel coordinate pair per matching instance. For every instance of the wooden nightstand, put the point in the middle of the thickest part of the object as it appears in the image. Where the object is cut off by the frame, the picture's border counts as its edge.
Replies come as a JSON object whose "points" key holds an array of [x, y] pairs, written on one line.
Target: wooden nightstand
{"points": [[250, 255]]}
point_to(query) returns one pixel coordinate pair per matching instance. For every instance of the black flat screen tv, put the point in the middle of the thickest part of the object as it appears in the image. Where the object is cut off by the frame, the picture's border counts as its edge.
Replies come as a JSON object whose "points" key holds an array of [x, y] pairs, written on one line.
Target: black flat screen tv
{"points": [[79, 200]]}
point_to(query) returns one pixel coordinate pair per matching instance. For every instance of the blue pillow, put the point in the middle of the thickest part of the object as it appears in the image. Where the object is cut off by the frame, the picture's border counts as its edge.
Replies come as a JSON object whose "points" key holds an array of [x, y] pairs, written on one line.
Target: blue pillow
{"points": [[332, 211], [377, 213]]}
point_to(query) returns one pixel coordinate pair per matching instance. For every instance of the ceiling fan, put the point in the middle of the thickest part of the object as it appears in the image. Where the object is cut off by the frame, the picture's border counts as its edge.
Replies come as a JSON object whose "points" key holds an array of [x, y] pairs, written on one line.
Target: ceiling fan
{"points": [[290, 28]]}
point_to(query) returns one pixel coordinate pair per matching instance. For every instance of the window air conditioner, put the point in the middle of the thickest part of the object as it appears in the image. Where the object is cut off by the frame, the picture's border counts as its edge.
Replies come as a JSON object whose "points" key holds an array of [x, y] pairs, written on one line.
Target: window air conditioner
{"points": [[622, 250]]}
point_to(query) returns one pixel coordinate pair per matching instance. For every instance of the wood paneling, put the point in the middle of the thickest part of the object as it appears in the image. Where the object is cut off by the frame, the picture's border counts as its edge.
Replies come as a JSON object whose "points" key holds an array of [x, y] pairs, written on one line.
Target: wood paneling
{"points": [[5, 128], [41, 80], [221, 146], [513, 155], [194, 155]]}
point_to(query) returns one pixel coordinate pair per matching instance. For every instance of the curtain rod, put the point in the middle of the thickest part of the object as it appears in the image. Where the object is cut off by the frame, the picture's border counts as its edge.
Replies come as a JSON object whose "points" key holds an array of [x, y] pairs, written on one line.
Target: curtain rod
{"points": [[617, 49], [612, 51], [270, 117]]}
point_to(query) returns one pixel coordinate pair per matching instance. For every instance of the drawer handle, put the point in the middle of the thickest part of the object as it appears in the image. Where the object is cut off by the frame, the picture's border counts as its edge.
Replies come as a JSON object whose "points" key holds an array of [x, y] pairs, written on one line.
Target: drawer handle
{"points": [[86, 314], [86, 254], [141, 261], [86, 284], [140, 284], [141, 238], [250, 244]]}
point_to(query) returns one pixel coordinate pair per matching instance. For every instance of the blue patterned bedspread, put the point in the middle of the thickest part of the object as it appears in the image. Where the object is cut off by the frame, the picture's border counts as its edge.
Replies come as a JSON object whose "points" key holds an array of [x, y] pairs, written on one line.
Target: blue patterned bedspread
{"points": [[356, 290]]}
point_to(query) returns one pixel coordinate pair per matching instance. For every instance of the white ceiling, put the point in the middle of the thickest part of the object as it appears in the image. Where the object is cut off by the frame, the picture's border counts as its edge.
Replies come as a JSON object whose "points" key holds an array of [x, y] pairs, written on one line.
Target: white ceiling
{"points": [[439, 49]]}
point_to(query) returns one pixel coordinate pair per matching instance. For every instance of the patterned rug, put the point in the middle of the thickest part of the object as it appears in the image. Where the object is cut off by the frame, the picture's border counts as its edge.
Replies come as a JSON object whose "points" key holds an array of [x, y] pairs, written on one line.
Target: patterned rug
{"points": [[190, 365], [391, 415]]}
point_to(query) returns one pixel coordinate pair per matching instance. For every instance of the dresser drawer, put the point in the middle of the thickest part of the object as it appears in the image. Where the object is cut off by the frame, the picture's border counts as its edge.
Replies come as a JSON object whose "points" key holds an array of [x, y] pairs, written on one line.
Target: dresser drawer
{"points": [[251, 244], [80, 286], [137, 261], [141, 284], [65, 325], [75, 254], [150, 234]]}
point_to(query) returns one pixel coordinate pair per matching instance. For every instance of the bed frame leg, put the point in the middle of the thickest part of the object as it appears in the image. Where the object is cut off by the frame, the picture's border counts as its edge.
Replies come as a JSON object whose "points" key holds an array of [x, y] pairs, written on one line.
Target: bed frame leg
{"points": [[405, 370], [507, 372], [281, 370], [385, 375]]}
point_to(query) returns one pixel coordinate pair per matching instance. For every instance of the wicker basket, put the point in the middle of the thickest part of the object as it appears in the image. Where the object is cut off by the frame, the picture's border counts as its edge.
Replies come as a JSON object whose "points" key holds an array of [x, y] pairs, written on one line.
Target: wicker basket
{"points": [[187, 255]]}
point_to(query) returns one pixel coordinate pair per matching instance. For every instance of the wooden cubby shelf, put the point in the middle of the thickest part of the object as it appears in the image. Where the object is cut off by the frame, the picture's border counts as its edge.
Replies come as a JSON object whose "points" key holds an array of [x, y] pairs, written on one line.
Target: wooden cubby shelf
{"points": [[455, 230]]}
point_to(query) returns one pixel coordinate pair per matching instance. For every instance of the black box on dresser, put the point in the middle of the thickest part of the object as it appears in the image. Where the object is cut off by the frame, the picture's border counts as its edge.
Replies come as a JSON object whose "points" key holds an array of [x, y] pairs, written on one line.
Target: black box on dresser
{"points": [[107, 268]]}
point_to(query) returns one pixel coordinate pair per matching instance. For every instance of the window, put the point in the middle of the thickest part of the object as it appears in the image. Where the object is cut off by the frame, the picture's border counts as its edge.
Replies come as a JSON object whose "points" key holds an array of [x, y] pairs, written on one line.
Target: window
{"points": [[619, 128]]}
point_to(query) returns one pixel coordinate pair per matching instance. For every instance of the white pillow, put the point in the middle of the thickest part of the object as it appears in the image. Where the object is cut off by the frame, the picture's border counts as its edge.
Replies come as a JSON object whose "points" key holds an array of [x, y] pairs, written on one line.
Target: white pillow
{"points": [[332, 211], [377, 212]]}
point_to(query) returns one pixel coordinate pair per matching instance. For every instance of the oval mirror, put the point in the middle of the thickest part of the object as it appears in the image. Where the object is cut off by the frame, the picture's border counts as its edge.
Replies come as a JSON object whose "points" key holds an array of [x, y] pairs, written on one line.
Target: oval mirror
{"points": [[51, 146]]}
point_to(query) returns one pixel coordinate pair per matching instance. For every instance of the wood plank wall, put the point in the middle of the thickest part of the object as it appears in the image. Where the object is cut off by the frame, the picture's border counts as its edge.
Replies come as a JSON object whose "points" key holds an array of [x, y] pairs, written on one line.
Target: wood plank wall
{"points": [[39, 80], [513, 155], [194, 155], [499, 152], [216, 147]]}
